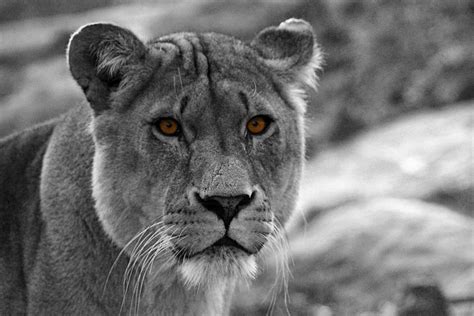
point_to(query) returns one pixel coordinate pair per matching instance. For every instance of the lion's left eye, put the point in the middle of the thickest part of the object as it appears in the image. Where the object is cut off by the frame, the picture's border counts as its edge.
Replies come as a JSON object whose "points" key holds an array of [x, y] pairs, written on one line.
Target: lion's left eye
{"points": [[258, 125], [168, 126]]}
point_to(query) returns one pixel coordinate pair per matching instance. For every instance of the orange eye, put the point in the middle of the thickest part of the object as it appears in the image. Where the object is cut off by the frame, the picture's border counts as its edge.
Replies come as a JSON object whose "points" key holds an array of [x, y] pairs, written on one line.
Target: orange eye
{"points": [[257, 125], [168, 126]]}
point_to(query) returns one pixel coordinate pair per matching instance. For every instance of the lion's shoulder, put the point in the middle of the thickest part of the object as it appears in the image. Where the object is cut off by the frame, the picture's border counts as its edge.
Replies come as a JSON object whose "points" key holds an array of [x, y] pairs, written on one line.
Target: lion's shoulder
{"points": [[21, 156], [19, 150]]}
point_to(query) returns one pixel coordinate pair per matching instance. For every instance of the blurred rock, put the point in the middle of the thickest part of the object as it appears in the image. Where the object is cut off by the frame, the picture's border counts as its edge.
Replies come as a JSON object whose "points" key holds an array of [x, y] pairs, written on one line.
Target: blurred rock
{"points": [[426, 156], [46, 90], [385, 58], [15, 10], [28, 38], [356, 257]]}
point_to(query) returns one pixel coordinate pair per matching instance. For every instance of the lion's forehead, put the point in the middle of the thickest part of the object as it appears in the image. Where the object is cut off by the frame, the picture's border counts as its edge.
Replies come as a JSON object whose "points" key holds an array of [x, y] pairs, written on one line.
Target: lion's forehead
{"points": [[210, 57], [208, 75]]}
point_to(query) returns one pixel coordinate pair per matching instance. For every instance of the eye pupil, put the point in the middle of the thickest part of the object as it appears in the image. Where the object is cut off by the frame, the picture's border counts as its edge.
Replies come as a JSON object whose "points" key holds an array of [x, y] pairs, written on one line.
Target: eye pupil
{"points": [[258, 124], [168, 127]]}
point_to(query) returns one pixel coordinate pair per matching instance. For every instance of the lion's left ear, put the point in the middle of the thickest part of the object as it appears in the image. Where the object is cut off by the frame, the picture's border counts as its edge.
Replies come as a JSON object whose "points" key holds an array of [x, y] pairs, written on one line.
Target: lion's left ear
{"points": [[291, 50], [102, 58]]}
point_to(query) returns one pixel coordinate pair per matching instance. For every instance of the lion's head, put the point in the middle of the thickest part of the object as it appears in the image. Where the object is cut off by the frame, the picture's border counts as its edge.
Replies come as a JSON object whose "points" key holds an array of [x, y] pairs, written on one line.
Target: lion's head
{"points": [[198, 142]]}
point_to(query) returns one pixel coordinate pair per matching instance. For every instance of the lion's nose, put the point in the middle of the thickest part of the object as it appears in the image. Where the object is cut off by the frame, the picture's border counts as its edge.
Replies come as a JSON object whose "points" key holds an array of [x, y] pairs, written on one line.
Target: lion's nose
{"points": [[226, 207]]}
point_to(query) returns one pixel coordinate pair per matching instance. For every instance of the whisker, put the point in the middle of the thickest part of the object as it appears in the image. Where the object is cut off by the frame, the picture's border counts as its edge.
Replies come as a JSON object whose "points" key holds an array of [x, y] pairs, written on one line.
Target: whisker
{"points": [[130, 270], [142, 259], [145, 254], [147, 263], [121, 253], [278, 246], [180, 80]]}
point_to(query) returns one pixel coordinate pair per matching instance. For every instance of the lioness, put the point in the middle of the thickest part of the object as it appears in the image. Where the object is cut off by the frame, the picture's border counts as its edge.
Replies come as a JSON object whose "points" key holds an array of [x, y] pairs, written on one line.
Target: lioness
{"points": [[157, 195]]}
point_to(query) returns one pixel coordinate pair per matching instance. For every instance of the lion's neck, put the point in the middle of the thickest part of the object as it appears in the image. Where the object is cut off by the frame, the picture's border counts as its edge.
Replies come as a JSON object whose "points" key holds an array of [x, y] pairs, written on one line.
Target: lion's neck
{"points": [[177, 299]]}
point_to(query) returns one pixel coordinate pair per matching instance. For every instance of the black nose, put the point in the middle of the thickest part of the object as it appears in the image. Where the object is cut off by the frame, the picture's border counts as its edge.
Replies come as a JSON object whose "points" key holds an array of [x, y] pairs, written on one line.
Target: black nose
{"points": [[226, 208]]}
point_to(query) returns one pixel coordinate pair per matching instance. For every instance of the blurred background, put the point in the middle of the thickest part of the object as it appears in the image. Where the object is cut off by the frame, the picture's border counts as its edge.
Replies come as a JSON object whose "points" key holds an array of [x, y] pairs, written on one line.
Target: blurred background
{"points": [[385, 215]]}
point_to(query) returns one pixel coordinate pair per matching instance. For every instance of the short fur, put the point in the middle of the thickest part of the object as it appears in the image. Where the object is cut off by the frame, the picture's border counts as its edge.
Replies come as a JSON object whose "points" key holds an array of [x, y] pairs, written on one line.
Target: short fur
{"points": [[101, 214]]}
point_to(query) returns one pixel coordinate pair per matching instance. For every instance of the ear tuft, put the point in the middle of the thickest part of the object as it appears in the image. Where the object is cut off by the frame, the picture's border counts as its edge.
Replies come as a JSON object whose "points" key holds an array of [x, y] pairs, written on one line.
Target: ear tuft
{"points": [[297, 25], [99, 56], [291, 50]]}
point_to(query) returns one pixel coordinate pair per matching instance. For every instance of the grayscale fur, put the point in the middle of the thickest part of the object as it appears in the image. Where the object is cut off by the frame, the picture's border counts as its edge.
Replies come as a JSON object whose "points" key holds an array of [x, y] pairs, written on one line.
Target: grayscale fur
{"points": [[98, 212]]}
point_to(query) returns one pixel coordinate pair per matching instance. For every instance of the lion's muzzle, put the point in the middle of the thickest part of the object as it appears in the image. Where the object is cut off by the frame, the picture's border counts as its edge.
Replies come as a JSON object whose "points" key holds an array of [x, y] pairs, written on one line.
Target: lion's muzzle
{"points": [[242, 222]]}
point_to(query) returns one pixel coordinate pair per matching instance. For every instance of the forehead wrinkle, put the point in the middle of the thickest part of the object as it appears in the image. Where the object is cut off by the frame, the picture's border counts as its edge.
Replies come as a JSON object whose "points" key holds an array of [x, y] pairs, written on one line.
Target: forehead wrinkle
{"points": [[227, 116], [178, 104], [195, 98], [244, 99], [233, 95], [183, 103], [258, 104], [256, 80]]}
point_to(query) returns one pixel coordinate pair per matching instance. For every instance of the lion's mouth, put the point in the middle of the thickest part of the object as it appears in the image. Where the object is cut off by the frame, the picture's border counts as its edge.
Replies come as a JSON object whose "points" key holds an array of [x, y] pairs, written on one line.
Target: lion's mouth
{"points": [[224, 242]]}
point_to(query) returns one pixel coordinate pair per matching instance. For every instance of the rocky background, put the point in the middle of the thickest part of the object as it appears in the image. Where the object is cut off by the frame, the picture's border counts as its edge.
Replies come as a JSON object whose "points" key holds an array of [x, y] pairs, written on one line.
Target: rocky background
{"points": [[385, 214]]}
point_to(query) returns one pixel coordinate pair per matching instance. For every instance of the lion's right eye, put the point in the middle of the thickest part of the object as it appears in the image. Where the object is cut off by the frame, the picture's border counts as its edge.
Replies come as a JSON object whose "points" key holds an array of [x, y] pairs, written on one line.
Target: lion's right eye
{"points": [[168, 126]]}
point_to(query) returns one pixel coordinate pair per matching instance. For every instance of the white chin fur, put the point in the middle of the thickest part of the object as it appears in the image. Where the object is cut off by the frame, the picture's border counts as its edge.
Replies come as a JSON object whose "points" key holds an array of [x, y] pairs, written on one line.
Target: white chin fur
{"points": [[205, 270]]}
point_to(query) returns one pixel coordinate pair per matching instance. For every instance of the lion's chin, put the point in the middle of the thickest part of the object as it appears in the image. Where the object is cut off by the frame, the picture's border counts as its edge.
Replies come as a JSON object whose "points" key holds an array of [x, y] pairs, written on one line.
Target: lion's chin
{"points": [[217, 264]]}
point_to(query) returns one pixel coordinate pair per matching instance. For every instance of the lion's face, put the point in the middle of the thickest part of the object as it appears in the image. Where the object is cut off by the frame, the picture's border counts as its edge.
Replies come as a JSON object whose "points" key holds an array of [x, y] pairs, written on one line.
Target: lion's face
{"points": [[202, 160]]}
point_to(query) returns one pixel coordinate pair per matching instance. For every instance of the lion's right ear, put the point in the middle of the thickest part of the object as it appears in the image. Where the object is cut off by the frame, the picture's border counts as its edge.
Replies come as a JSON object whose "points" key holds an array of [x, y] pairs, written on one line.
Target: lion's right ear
{"points": [[100, 56]]}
